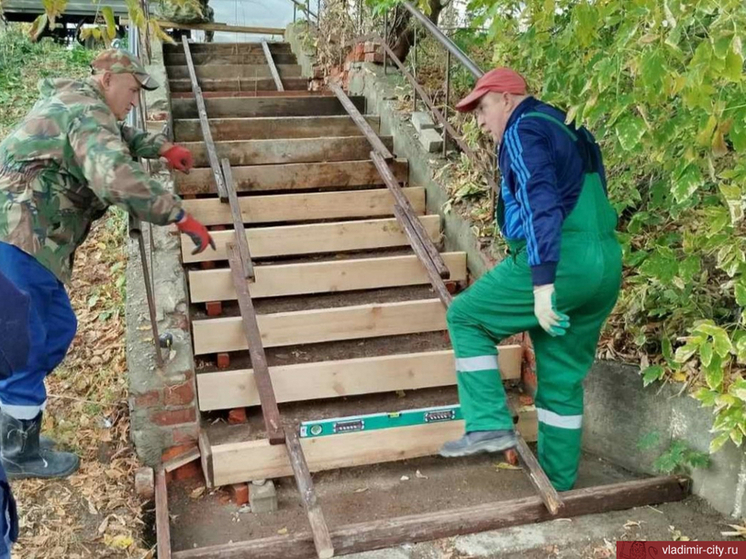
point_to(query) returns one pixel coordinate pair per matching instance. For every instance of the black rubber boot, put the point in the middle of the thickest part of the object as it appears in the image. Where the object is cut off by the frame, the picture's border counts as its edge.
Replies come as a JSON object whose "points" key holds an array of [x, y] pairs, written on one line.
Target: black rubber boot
{"points": [[22, 456]]}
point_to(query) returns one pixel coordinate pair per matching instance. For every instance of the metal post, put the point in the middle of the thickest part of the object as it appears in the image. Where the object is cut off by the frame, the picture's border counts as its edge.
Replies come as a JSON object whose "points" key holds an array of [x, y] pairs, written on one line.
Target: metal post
{"points": [[414, 69], [295, 12], [318, 12], [360, 17], [308, 10], [447, 100]]}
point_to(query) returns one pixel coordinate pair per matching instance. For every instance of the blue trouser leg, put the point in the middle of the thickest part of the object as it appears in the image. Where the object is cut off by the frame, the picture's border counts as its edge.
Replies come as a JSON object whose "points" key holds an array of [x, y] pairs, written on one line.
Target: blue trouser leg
{"points": [[52, 328]]}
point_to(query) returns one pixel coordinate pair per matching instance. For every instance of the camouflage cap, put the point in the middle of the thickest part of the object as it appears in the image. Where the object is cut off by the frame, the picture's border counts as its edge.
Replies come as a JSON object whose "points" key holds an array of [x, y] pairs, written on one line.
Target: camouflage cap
{"points": [[119, 61]]}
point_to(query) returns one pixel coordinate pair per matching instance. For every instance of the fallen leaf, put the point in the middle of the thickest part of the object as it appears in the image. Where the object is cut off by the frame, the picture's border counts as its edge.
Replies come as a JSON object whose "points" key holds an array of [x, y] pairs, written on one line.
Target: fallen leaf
{"points": [[505, 466], [103, 526], [630, 523], [404, 478], [282, 531], [197, 493], [419, 475], [361, 490]]}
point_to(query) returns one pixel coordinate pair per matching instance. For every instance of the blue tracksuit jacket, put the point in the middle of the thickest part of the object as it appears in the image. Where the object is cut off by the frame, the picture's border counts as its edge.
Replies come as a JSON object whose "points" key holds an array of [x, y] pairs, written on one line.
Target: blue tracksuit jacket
{"points": [[542, 170]]}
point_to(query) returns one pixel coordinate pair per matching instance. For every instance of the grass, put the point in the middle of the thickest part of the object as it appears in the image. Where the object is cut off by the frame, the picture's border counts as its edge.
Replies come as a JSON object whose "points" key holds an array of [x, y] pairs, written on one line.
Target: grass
{"points": [[93, 513]]}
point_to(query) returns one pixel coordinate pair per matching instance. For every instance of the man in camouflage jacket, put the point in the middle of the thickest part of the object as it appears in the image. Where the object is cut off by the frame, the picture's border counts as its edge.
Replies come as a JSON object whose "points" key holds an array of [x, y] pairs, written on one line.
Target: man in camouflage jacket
{"points": [[60, 169]]}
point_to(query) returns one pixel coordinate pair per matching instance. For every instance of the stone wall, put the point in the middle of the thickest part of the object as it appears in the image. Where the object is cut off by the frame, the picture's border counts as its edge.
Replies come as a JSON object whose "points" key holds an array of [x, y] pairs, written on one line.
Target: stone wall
{"points": [[163, 404]]}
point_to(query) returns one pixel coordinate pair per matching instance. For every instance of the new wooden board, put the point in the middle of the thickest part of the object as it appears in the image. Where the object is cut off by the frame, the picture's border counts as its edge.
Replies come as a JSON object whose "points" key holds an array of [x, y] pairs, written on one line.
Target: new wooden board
{"points": [[218, 107], [277, 208], [217, 58], [239, 84], [290, 240], [282, 280], [233, 71], [293, 176], [297, 150], [263, 128], [217, 335], [333, 379], [251, 460]]}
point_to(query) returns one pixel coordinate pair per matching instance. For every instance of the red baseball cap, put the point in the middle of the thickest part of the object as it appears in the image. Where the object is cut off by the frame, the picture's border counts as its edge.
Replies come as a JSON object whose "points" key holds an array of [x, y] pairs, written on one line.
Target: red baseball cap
{"points": [[500, 80]]}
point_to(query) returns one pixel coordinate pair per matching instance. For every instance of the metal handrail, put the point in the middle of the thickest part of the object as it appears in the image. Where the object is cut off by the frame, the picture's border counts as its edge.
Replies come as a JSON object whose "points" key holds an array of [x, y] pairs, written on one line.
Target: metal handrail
{"points": [[444, 40]]}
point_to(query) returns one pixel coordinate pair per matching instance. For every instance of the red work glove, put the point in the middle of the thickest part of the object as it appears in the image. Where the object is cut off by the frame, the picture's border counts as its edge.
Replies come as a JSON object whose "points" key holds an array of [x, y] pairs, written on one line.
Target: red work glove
{"points": [[179, 158], [197, 232]]}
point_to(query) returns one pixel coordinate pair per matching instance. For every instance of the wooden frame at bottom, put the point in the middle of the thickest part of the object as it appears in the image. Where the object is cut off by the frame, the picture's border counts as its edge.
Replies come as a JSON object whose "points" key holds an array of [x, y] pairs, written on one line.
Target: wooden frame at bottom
{"points": [[366, 536]]}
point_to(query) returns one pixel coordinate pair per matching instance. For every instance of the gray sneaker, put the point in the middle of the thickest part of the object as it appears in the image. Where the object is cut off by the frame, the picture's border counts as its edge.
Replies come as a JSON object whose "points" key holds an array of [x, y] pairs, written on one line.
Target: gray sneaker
{"points": [[479, 441]]}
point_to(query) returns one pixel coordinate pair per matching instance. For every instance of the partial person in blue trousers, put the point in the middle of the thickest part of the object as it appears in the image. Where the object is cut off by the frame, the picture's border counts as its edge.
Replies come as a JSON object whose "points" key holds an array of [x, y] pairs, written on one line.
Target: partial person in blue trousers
{"points": [[14, 352]]}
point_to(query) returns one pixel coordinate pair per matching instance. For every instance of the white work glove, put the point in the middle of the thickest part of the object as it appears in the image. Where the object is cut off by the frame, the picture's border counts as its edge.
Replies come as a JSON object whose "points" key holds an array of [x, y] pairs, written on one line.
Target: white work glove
{"points": [[550, 319]]}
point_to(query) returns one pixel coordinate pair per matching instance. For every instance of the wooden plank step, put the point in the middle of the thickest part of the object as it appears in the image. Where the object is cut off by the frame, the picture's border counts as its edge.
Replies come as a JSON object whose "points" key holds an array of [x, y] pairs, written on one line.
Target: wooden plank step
{"points": [[252, 460], [298, 150], [322, 277], [234, 71], [229, 48], [315, 238], [216, 335], [218, 59], [271, 128], [293, 176], [220, 107], [281, 280], [239, 84], [279, 208], [332, 379], [432, 525]]}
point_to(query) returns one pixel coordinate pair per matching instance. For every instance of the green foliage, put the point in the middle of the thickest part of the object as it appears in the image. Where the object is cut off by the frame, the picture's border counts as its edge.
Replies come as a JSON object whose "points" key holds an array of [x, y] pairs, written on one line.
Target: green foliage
{"points": [[23, 63], [680, 459]]}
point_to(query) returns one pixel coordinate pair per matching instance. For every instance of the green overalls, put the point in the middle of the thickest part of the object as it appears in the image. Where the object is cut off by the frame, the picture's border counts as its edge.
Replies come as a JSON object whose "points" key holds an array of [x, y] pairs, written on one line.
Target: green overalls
{"points": [[501, 303]]}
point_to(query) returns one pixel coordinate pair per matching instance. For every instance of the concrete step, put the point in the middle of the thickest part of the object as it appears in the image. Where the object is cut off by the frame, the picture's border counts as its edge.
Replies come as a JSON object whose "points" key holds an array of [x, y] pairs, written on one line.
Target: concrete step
{"points": [[296, 150], [271, 128], [204, 58], [234, 71], [239, 84], [228, 48], [221, 107]]}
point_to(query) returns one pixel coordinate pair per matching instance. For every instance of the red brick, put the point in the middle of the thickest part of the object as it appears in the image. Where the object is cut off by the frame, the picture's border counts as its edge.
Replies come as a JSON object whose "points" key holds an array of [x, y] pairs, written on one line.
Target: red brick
{"points": [[224, 360], [175, 451], [511, 457], [188, 471], [179, 395], [451, 286], [359, 49], [214, 308], [375, 57], [236, 416], [240, 493], [174, 417], [148, 399], [207, 265], [185, 435], [218, 228], [370, 46]]}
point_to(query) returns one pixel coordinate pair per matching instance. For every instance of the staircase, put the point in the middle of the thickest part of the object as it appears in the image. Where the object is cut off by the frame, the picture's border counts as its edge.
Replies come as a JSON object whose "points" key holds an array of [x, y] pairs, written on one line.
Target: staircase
{"points": [[346, 313]]}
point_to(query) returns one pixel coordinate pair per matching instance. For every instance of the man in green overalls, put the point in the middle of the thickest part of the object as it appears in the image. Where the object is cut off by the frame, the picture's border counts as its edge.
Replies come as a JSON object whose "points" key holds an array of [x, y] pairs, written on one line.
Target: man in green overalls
{"points": [[559, 283]]}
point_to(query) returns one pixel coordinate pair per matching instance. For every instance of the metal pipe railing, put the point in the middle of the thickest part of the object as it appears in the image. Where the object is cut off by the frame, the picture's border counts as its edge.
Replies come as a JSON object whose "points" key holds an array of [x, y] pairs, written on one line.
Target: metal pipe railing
{"points": [[444, 40]]}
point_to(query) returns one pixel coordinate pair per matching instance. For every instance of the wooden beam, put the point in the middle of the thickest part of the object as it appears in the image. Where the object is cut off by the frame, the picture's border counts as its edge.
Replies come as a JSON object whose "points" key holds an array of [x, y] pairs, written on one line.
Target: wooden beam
{"points": [[218, 58], [222, 27], [241, 244], [220, 107], [257, 459], [286, 240], [278, 208], [233, 71], [350, 377], [271, 128], [162, 521], [215, 335], [361, 123], [272, 67], [230, 48], [293, 176], [319, 530], [240, 84], [286, 150], [281, 280], [182, 459], [416, 234], [206, 134], [390, 532], [253, 339]]}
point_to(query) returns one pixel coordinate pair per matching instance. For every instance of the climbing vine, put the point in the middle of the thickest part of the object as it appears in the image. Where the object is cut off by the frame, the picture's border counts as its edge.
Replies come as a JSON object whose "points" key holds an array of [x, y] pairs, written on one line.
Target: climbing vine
{"points": [[660, 83]]}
